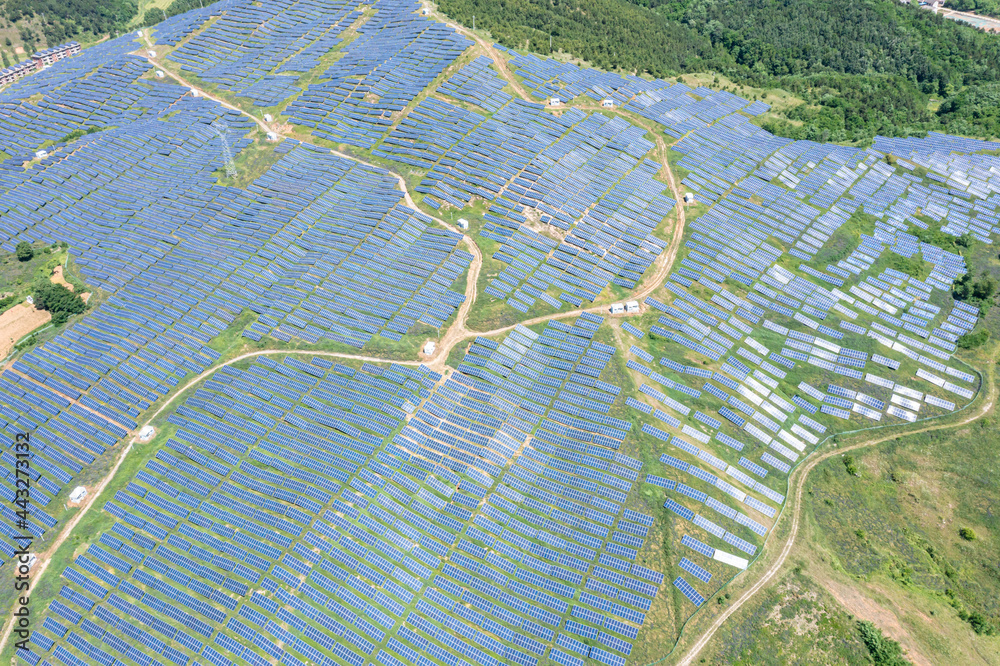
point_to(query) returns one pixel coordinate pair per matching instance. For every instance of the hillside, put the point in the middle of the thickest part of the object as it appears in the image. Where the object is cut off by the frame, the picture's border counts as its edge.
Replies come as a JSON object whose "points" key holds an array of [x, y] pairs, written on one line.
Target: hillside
{"points": [[859, 68], [409, 347]]}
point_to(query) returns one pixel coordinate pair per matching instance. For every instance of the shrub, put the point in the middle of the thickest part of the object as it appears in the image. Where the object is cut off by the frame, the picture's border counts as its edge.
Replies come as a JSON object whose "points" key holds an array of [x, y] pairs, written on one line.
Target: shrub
{"points": [[980, 625], [967, 534], [850, 466], [23, 251], [973, 340], [884, 651], [58, 300]]}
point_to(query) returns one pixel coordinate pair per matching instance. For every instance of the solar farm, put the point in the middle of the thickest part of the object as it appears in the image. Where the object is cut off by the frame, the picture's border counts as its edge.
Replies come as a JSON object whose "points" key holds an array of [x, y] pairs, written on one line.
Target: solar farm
{"points": [[569, 489]]}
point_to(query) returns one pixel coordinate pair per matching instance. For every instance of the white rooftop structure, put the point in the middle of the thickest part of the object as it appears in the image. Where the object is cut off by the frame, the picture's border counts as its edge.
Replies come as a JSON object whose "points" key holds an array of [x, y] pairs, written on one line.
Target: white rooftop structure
{"points": [[78, 494], [632, 306], [272, 136], [555, 101], [616, 308], [268, 118], [429, 347], [151, 53], [159, 73], [41, 154], [608, 102], [463, 223], [146, 433], [688, 197]]}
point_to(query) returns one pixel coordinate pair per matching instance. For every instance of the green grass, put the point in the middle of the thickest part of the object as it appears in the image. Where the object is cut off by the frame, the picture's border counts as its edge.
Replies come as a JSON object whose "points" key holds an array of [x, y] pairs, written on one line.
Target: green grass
{"points": [[899, 521], [793, 622], [251, 162], [17, 277]]}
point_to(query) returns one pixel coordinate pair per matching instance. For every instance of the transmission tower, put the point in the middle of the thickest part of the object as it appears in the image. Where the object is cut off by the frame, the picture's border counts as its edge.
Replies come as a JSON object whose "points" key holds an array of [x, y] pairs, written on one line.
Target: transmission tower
{"points": [[222, 130]]}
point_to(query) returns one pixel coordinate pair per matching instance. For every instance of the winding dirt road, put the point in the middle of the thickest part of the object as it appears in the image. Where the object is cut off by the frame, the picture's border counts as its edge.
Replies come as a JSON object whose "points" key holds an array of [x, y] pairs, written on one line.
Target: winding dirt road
{"points": [[455, 334], [798, 479]]}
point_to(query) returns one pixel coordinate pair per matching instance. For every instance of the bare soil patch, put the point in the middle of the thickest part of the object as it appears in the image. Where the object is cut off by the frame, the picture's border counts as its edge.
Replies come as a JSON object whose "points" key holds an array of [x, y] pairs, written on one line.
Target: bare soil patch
{"points": [[17, 323]]}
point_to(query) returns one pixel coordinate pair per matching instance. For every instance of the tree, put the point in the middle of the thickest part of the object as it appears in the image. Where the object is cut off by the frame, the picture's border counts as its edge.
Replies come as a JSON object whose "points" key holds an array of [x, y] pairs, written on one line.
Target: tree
{"points": [[967, 534], [23, 251], [962, 288], [973, 340], [58, 300], [983, 288]]}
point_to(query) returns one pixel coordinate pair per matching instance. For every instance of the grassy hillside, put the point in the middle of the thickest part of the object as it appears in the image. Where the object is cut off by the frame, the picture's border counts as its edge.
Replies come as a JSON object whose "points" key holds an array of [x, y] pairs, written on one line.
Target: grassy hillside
{"points": [[795, 621]]}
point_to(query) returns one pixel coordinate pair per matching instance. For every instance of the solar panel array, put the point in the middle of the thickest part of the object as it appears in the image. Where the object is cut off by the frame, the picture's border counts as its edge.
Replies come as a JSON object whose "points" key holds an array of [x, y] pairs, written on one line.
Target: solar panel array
{"points": [[478, 84], [735, 302], [180, 256], [312, 513], [395, 56], [283, 509]]}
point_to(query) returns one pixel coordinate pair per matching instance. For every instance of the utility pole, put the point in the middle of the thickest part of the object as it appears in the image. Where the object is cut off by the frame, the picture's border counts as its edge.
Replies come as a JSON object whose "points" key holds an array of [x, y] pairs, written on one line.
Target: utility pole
{"points": [[473, 23], [222, 130]]}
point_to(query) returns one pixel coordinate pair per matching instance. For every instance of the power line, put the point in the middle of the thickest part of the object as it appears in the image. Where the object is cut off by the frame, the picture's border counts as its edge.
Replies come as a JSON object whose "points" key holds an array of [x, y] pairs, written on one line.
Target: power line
{"points": [[222, 130]]}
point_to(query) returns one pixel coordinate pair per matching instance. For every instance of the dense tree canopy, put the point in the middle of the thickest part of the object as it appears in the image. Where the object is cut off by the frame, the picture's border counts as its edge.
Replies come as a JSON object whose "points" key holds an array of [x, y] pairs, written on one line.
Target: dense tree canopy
{"points": [[986, 7], [24, 251], [67, 19], [864, 67], [58, 300], [64, 19]]}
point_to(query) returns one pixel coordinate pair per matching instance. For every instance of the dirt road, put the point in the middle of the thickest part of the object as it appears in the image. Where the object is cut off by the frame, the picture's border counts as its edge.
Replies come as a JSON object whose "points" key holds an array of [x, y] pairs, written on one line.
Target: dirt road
{"points": [[797, 481]]}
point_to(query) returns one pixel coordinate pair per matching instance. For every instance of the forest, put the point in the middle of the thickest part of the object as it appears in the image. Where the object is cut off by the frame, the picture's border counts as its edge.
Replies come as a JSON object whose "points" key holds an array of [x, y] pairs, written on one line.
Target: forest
{"points": [[985, 7], [863, 68], [64, 20]]}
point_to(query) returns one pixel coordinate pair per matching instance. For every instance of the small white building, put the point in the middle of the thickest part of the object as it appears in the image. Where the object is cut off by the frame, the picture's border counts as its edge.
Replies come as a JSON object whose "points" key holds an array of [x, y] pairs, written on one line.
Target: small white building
{"points": [[78, 494], [41, 154], [159, 74], [463, 224], [268, 118], [31, 560], [151, 53], [632, 306], [138, 33], [146, 433], [555, 101], [688, 197], [429, 348], [607, 103], [272, 136], [30, 300], [194, 93], [616, 308]]}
